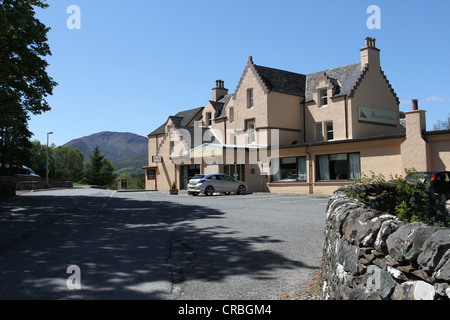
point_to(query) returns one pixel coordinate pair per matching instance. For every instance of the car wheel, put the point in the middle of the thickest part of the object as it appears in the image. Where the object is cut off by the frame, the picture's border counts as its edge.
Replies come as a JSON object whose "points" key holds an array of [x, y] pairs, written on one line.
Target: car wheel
{"points": [[209, 191], [241, 190]]}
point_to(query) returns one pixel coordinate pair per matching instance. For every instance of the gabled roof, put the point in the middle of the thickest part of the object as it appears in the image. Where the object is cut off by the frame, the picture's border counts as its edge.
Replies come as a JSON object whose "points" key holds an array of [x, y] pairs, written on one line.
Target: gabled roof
{"points": [[282, 81], [343, 78], [182, 119], [224, 101]]}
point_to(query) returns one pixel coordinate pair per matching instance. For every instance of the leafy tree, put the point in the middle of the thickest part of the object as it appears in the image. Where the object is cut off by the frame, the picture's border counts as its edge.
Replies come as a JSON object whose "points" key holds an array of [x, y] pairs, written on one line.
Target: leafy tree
{"points": [[63, 162], [68, 163], [24, 82], [38, 158], [134, 181], [99, 170]]}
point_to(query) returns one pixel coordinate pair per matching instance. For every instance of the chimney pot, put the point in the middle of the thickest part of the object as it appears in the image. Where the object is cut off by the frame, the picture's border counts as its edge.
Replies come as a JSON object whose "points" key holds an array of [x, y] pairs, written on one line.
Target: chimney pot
{"points": [[219, 91], [415, 104], [370, 42]]}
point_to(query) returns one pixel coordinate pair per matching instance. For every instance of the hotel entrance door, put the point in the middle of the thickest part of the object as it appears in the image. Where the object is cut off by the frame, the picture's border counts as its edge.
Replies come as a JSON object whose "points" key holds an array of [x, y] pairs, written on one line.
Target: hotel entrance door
{"points": [[187, 173], [237, 171]]}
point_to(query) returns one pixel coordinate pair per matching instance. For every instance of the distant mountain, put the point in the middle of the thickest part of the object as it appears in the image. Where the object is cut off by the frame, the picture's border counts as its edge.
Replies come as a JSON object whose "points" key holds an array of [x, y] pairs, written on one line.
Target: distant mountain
{"points": [[127, 151]]}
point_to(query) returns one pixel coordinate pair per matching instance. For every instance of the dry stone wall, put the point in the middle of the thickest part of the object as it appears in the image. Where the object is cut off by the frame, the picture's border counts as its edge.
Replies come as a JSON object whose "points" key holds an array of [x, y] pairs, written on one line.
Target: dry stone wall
{"points": [[370, 255]]}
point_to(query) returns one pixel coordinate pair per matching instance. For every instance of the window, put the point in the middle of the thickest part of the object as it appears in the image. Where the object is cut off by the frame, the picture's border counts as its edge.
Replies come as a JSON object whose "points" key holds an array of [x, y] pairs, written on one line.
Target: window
{"points": [[319, 133], [236, 171], [339, 166], [250, 126], [233, 138], [323, 97], [329, 128], [172, 147], [208, 119], [231, 116], [291, 169], [250, 98]]}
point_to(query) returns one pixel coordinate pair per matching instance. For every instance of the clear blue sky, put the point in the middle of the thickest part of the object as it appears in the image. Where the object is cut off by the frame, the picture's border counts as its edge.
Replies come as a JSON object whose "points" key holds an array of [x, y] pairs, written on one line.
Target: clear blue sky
{"points": [[133, 63]]}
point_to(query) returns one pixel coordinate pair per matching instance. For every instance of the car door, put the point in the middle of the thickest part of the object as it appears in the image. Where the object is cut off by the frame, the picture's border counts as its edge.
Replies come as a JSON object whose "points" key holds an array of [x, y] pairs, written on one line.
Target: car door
{"points": [[216, 182], [228, 183]]}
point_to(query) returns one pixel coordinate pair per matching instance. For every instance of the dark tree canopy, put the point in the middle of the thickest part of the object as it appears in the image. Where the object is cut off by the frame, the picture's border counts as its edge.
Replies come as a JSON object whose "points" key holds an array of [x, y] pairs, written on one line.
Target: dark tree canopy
{"points": [[24, 82], [99, 170]]}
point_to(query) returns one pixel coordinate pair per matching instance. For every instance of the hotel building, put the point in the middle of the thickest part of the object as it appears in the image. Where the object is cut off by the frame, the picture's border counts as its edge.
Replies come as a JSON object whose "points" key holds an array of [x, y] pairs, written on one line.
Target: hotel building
{"points": [[287, 132]]}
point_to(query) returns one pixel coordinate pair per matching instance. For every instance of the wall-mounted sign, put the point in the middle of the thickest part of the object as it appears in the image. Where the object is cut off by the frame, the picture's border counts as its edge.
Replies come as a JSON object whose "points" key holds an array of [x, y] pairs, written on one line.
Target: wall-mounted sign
{"points": [[157, 159], [151, 174], [377, 115]]}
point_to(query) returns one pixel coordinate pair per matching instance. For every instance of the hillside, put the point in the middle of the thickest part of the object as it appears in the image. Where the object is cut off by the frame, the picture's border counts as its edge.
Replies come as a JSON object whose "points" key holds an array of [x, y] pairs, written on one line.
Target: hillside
{"points": [[127, 151]]}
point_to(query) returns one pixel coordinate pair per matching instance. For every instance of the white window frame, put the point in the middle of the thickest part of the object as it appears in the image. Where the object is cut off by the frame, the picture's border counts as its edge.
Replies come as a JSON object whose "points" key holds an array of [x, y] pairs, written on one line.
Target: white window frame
{"points": [[250, 98], [208, 119], [322, 97], [329, 131]]}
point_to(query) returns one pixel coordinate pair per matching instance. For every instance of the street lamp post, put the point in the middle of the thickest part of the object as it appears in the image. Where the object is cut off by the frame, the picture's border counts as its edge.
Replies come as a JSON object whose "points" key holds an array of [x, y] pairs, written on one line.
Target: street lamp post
{"points": [[46, 171]]}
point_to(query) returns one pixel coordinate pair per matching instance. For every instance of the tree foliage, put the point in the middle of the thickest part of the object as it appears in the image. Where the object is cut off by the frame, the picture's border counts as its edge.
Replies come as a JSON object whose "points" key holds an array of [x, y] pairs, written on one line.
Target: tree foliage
{"points": [[64, 162], [68, 163], [99, 170], [135, 181], [24, 82]]}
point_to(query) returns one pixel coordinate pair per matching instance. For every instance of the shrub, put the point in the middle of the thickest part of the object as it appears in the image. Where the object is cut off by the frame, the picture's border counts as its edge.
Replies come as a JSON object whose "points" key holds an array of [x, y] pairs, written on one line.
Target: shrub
{"points": [[409, 199]]}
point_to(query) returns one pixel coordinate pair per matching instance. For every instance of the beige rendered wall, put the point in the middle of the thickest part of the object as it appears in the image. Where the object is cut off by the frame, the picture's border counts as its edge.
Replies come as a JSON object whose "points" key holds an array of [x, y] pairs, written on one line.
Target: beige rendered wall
{"points": [[379, 156], [440, 151], [415, 150], [285, 112], [239, 102], [160, 146], [372, 92], [334, 111]]}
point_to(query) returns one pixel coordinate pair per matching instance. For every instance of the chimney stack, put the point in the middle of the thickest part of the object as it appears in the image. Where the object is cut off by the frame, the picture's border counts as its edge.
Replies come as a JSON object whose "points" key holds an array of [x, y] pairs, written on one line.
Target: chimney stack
{"points": [[370, 55], [219, 91], [415, 104]]}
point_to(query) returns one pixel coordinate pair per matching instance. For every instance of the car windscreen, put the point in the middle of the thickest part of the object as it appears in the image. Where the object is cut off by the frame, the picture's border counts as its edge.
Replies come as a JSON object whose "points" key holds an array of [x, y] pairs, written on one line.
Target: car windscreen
{"points": [[199, 176]]}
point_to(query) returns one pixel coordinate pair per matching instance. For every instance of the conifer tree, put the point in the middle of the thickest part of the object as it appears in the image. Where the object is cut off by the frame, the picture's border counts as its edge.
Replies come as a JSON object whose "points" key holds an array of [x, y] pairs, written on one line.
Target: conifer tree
{"points": [[99, 170]]}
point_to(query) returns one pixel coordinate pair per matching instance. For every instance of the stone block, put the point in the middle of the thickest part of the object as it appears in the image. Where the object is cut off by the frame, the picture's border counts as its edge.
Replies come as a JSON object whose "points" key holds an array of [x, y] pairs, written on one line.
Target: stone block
{"points": [[380, 281], [406, 243], [388, 227], [414, 290], [443, 269], [433, 250]]}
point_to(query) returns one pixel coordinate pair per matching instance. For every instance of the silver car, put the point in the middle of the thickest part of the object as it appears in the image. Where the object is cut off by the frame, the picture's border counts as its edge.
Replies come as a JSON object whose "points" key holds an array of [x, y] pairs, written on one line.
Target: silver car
{"points": [[213, 183]]}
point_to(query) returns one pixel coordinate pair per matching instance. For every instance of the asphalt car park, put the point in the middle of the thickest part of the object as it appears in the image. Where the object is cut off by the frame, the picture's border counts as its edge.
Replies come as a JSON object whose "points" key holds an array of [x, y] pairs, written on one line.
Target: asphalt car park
{"points": [[153, 245]]}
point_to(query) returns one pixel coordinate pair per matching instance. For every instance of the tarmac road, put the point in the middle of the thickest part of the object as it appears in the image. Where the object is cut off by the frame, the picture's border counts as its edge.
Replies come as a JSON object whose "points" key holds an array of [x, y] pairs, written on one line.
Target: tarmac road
{"points": [[150, 245]]}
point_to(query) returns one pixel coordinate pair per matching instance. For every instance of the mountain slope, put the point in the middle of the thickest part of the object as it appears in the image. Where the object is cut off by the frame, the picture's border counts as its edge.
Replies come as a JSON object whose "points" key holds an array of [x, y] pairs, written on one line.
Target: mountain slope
{"points": [[127, 151]]}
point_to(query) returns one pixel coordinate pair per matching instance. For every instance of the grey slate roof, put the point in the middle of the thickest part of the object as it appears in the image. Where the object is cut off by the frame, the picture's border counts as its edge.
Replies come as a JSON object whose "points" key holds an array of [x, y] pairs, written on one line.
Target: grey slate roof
{"points": [[343, 77], [282, 81], [182, 118], [224, 101]]}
